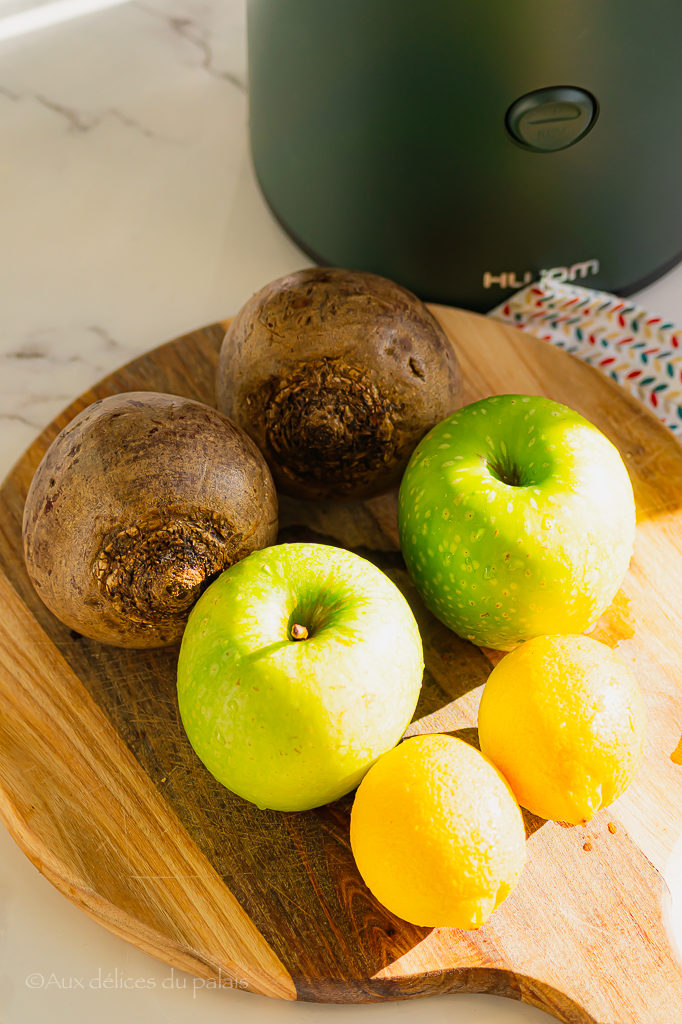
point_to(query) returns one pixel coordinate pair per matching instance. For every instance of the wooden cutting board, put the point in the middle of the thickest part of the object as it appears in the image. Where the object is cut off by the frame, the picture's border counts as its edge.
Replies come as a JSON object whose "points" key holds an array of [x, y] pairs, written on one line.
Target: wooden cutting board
{"points": [[101, 789]]}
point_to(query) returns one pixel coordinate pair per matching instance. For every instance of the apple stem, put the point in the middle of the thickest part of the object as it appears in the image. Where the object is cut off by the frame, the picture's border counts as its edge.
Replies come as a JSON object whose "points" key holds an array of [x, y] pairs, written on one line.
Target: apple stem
{"points": [[299, 632]]}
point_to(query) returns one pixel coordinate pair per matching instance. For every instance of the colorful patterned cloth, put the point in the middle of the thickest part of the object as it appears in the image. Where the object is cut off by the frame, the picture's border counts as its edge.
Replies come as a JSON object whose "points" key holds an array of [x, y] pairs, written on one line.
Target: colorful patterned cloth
{"points": [[616, 336]]}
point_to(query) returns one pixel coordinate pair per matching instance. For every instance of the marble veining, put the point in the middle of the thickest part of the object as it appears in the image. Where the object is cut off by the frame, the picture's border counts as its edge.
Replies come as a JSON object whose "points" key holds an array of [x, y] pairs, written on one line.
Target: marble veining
{"points": [[129, 212], [199, 36], [77, 121]]}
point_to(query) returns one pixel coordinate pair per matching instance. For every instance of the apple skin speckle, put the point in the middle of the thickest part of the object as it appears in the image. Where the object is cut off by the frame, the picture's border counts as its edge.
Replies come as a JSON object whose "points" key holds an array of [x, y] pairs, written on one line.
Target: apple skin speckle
{"points": [[246, 685], [564, 528]]}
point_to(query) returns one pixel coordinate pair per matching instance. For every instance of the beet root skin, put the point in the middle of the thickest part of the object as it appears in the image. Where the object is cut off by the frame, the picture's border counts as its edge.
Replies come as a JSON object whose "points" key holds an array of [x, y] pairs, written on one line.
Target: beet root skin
{"points": [[336, 375], [139, 501]]}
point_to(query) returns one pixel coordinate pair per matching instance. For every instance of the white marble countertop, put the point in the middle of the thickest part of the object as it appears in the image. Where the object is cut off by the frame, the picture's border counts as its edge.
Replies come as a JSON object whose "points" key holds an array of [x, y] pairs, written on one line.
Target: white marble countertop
{"points": [[129, 214]]}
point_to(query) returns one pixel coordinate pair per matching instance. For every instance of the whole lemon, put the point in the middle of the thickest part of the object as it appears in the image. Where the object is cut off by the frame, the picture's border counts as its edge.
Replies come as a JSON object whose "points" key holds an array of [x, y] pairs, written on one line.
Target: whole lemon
{"points": [[437, 834], [563, 719]]}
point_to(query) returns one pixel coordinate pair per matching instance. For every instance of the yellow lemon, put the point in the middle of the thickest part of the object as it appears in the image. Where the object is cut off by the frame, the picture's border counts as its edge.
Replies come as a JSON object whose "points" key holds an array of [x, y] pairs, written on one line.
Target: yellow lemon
{"points": [[563, 719], [436, 833]]}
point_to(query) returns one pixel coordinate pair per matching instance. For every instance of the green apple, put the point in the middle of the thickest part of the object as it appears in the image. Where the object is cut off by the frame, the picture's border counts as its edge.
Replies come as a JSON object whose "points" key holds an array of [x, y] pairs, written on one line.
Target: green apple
{"points": [[516, 519], [299, 667]]}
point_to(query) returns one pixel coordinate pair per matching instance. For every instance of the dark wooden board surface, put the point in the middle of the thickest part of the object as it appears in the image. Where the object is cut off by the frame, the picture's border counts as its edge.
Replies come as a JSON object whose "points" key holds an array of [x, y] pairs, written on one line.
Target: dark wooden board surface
{"points": [[100, 787]]}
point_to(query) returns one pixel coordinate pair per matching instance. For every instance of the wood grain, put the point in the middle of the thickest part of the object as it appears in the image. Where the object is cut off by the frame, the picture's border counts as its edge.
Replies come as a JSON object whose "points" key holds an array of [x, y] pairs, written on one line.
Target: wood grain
{"points": [[91, 826], [100, 787]]}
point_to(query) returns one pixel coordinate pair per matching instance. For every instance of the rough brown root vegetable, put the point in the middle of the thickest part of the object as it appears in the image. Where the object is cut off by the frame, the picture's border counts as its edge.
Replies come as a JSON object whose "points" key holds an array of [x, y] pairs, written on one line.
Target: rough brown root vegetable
{"points": [[336, 375], [138, 503]]}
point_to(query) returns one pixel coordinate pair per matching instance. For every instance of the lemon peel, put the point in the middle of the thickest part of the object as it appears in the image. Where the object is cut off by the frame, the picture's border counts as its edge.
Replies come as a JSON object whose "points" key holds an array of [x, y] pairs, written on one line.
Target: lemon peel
{"points": [[437, 834], [563, 719]]}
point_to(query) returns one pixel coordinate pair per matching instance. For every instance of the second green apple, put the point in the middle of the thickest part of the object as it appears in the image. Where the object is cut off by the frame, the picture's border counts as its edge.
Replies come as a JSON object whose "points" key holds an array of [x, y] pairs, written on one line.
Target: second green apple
{"points": [[516, 519], [299, 667]]}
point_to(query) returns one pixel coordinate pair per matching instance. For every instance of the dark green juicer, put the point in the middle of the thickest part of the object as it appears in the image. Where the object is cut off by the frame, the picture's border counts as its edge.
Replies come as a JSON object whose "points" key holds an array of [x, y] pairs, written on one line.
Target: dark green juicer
{"points": [[462, 148]]}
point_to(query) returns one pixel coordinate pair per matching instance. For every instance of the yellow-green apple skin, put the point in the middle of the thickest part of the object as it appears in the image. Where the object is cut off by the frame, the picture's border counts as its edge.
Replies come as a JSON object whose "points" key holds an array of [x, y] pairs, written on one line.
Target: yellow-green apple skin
{"points": [[516, 519], [293, 724]]}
